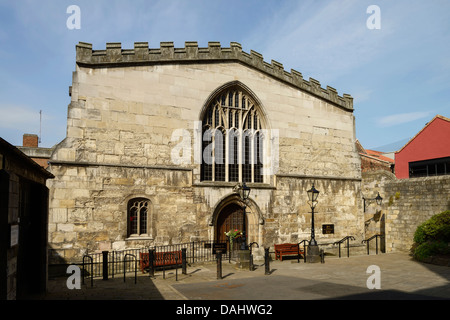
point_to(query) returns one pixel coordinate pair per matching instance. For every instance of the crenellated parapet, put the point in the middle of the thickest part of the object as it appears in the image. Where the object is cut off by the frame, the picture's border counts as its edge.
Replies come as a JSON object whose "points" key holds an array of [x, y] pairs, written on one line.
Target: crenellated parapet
{"points": [[115, 56]]}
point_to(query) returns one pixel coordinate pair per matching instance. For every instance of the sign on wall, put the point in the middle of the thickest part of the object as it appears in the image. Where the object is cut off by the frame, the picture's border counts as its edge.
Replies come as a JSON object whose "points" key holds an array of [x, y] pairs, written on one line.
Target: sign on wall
{"points": [[328, 229], [14, 235]]}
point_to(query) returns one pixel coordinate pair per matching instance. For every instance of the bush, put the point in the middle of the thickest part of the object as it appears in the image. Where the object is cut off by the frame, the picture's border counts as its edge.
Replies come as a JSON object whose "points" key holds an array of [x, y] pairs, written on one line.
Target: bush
{"points": [[433, 237], [437, 228], [431, 248]]}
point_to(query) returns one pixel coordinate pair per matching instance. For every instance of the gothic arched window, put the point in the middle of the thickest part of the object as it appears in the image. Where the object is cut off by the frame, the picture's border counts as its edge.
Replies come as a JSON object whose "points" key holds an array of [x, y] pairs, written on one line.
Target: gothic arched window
{"points": [[138, 217], [233, 144]]}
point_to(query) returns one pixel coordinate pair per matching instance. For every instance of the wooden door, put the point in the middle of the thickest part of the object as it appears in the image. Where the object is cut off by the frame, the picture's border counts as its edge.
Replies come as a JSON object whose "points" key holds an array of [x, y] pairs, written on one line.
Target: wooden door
{"points": [[230, 218]]}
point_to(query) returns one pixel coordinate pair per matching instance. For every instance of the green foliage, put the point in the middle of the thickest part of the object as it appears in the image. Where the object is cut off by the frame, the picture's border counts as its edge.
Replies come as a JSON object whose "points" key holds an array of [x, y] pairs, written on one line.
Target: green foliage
{"points": [[391, 201], [432, 237], [437, 228], [431, 248]]}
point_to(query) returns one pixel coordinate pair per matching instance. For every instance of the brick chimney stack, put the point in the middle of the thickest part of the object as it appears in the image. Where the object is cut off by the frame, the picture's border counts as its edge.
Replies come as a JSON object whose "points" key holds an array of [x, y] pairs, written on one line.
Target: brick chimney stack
{"points": [[30, 140]]}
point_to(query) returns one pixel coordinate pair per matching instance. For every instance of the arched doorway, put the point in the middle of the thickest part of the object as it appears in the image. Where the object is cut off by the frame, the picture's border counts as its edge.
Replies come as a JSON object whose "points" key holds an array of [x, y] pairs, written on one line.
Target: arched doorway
{"points": [[230, 218]]}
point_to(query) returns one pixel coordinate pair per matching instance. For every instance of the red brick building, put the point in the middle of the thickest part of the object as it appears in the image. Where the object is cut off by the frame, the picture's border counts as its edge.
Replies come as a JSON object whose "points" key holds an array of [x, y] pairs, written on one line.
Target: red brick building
{"points": [[428, 153], [372, 160], [31, 148]]}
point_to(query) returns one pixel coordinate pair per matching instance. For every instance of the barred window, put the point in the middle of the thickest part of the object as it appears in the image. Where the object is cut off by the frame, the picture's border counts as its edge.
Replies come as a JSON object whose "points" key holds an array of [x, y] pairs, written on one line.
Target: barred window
{"points": [[232, 146], [138, 217]]}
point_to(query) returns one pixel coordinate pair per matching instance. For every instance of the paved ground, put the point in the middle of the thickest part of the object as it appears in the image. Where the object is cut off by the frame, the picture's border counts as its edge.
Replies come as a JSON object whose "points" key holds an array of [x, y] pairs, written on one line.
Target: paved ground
{"points": [[344, 278]]}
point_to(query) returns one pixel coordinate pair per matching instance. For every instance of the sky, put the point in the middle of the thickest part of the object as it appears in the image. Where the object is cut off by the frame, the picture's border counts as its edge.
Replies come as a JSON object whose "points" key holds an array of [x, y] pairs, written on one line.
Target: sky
{"points": [[394, 61]]}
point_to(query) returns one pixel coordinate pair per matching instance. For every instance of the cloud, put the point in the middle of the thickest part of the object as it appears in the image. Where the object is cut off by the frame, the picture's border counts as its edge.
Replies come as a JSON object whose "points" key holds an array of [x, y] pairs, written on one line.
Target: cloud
{"points": [[401, 118], [328, 41]]}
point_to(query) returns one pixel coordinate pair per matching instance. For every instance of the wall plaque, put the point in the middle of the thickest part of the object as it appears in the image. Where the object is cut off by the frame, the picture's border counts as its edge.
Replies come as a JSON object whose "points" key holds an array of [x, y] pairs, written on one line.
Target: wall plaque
{"points": [[328, 229], [220, 246]]}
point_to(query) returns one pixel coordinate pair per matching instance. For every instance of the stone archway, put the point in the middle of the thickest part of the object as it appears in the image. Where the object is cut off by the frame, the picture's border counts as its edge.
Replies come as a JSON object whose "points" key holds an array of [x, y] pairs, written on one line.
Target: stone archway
{"points": [[230, 208], [230, 218]]}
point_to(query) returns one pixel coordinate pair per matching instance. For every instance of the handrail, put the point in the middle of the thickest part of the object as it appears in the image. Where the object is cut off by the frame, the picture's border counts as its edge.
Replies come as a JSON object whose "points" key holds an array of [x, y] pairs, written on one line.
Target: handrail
{"points": [[251, 244], [348, 238], [92, 269], [135, 266], [345, 238], [376, 236]]}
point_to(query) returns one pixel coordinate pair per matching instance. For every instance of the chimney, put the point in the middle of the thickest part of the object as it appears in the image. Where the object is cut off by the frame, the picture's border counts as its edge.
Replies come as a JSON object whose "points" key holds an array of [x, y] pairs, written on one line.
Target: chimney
{"points": [[30, 140]]}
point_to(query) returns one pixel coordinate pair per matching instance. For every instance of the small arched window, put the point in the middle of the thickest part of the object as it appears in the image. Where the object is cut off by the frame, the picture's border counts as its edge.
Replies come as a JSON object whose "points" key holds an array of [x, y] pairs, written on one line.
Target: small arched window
{"points": [[138, 214]]}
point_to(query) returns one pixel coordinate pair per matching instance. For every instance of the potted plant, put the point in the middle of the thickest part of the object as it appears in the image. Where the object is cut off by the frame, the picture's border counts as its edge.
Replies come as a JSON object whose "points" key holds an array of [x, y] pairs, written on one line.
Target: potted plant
{"points": [[233, 234]]}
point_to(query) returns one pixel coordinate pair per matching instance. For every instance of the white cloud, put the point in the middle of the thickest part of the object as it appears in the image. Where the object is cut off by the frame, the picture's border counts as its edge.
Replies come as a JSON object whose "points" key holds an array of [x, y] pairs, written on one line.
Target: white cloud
{"points": [[328, 40], [401, 118]]}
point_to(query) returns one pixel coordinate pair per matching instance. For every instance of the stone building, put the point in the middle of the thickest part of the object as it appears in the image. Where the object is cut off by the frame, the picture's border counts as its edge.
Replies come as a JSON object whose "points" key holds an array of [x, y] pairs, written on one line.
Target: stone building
{"points": [[23, 224], [157, 138]]}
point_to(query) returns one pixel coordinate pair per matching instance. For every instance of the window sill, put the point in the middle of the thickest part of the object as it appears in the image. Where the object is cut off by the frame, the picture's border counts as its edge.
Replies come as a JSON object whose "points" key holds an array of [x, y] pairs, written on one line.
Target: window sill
{"points": [[138, 238], [223, 184]]}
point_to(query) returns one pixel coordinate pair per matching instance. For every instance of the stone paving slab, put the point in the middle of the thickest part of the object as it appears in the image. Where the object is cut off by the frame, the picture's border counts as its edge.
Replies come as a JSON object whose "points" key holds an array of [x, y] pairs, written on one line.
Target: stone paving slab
{"points": [[338, 278]]}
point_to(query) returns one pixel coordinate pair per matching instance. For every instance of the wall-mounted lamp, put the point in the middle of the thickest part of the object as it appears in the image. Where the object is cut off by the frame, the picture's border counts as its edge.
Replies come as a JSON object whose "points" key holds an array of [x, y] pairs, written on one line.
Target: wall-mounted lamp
{"points": [[378, 199]]}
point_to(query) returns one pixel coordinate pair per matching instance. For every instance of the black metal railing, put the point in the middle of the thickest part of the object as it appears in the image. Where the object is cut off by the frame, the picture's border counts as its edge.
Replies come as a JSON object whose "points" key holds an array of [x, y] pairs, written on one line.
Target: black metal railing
{"points": [[347, 238], [367, 241], [107, 264]]}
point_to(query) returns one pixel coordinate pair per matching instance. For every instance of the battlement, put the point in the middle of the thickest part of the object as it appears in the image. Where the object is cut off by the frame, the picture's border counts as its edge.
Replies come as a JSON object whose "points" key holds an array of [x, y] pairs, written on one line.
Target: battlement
{"points": [[115, 56]]}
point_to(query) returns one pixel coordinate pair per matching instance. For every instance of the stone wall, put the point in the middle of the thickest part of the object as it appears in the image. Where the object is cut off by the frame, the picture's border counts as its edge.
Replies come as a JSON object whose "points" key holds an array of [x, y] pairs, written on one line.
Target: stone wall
{"points": [[406, 204], [338, 204]]}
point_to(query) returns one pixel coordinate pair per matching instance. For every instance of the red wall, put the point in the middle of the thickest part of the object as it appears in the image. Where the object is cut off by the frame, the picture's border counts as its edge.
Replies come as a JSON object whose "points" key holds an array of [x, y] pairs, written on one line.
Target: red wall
{"points": [[432, 142]]}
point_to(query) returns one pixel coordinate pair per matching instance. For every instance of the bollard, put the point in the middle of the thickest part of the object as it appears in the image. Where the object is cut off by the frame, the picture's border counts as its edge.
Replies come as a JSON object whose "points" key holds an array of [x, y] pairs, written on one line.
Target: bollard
{"points": [[266, 260], [105, 265], [183, 261], [219, 264], [151, 258]]}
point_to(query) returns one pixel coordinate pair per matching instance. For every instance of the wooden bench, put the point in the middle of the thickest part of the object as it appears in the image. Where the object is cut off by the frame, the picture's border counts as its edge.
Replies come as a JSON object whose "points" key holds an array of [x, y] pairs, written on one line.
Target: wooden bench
{"points": [[287, 249], [170, 258]]}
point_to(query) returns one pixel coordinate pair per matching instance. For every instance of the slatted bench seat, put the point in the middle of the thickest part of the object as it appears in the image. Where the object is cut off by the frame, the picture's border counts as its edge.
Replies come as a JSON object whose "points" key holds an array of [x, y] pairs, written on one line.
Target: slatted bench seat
{"points": [[170, 258], [285, 249]]}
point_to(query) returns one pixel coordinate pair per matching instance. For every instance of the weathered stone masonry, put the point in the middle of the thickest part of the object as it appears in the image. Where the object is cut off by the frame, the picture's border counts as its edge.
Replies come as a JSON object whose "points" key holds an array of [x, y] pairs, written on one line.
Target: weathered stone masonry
{"points": [[126, 105], [407, 203]]}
